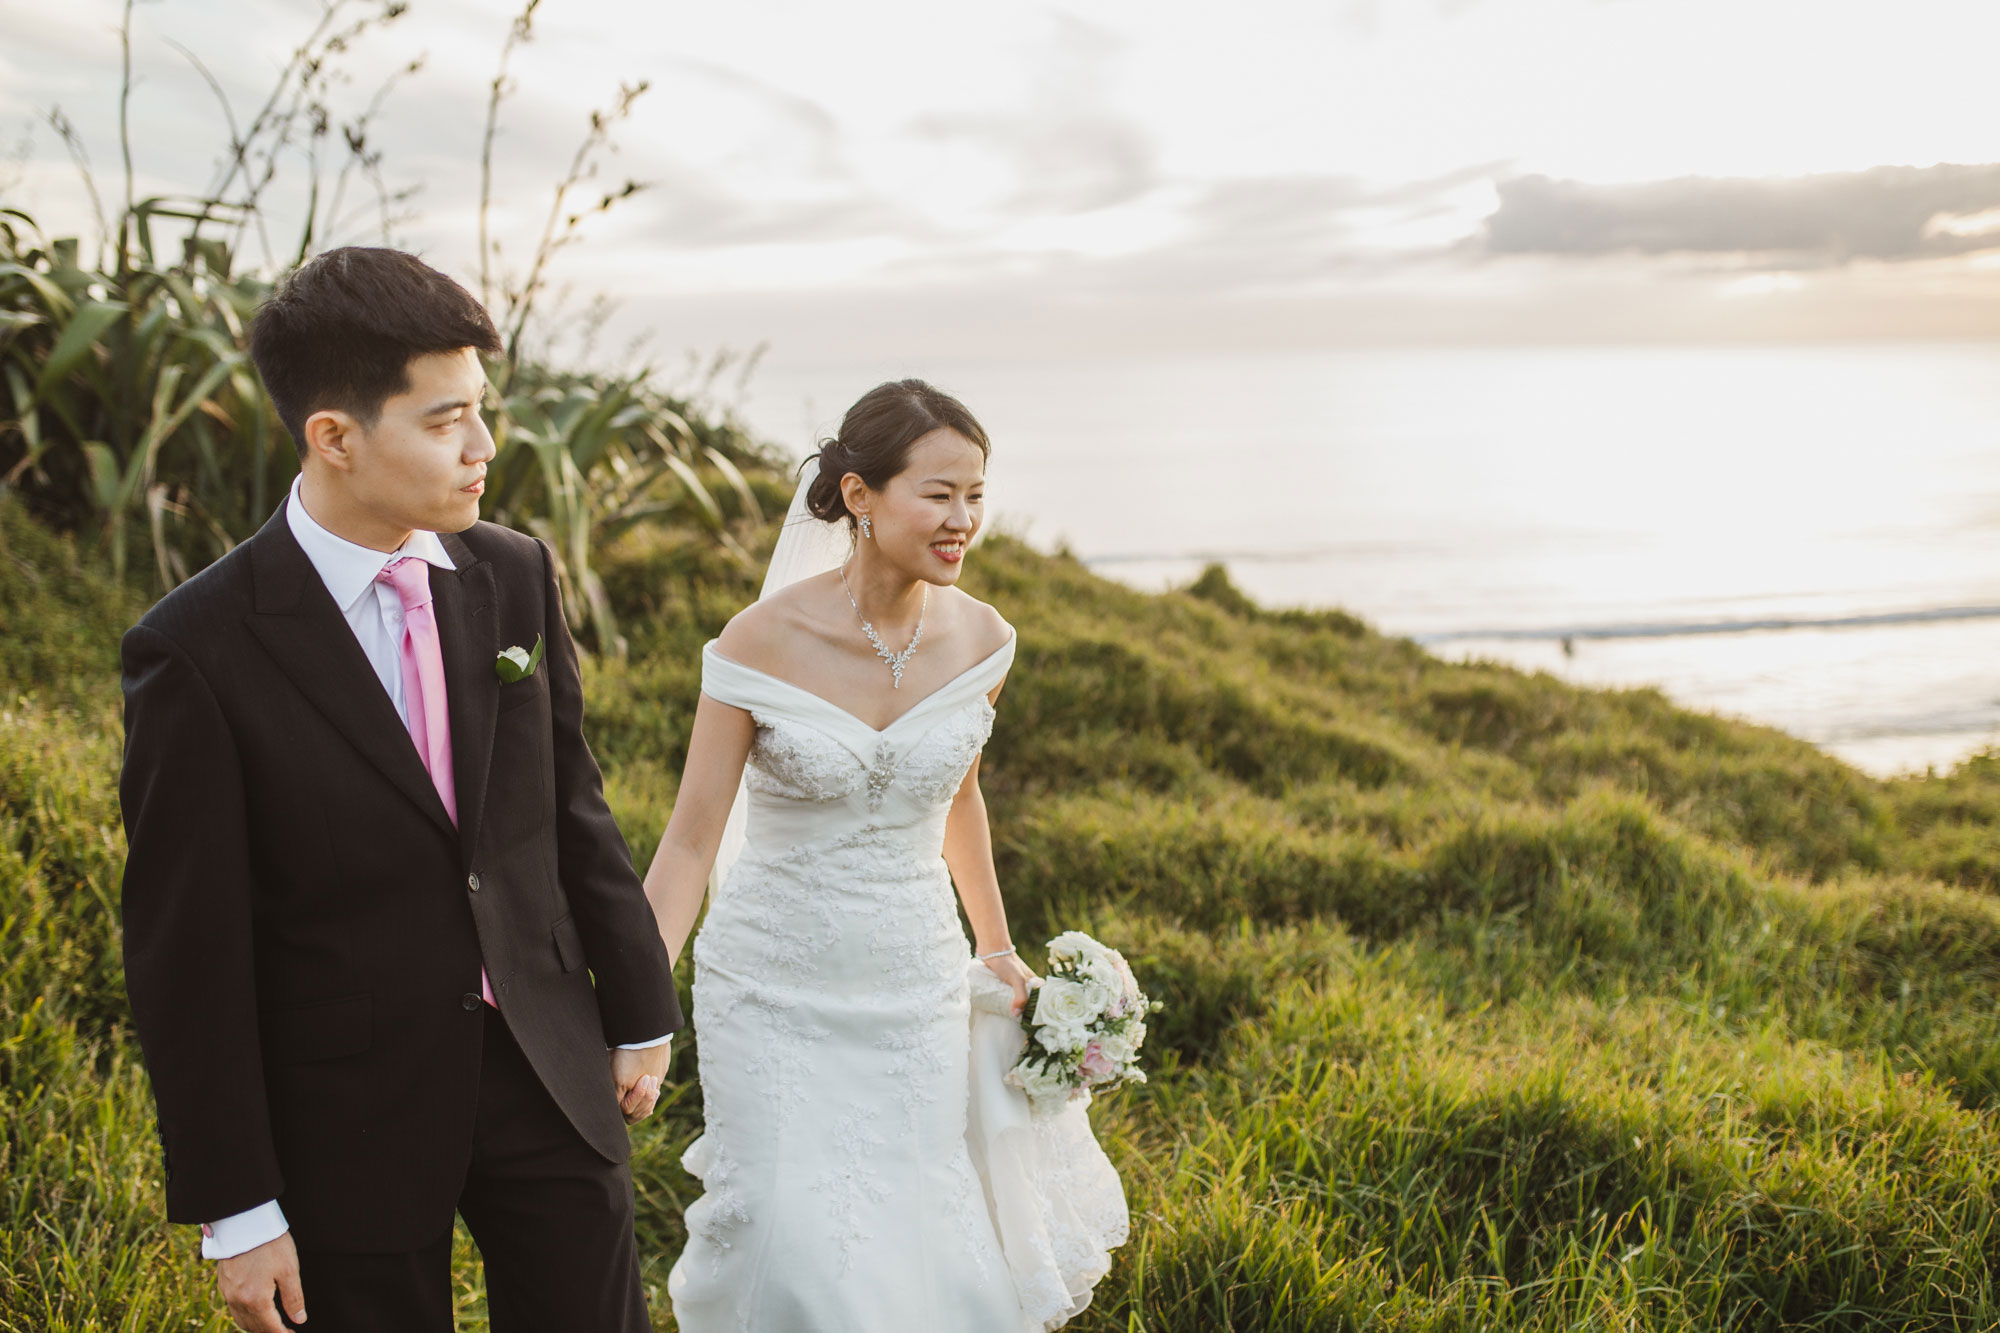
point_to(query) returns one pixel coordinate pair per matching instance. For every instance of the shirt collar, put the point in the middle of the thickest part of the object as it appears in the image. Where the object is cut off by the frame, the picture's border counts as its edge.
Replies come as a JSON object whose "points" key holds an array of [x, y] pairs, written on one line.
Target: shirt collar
{"points": [[348, 569]]}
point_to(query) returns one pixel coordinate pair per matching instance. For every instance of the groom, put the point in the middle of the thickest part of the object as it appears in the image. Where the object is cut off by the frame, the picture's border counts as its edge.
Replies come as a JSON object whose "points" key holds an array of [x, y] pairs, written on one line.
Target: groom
{"points": [[372, 878]]}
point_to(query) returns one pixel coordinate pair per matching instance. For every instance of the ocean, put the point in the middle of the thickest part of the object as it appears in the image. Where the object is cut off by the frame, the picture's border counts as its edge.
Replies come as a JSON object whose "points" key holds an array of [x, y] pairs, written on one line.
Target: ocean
{"points": [[1806, 536]]}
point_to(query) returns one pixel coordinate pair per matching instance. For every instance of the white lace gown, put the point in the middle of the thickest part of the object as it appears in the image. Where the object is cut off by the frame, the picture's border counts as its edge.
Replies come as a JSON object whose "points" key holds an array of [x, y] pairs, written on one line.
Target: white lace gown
{"points": [[831, 994]]}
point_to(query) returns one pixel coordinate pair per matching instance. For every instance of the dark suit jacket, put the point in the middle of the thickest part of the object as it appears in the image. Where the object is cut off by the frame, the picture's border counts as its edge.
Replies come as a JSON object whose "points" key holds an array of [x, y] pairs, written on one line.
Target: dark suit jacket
{"points": [[304, 927]]}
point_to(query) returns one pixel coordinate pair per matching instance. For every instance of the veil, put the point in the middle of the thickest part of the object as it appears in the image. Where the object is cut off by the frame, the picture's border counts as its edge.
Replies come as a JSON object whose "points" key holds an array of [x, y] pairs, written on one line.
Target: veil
{"points": [[806, 546]]}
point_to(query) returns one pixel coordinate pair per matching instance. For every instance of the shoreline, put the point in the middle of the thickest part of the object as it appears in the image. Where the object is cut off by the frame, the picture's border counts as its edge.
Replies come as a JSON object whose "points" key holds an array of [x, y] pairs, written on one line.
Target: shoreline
{"points": [[1874, 688], [1673, 630]]}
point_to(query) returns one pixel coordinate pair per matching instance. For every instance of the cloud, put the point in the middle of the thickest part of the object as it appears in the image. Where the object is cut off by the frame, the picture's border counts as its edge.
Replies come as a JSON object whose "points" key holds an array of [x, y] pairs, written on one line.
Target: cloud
{"points": [[1285, 235], [1364, 18], [1886, 213], [1360, 18], [776, 169], [692, 209], [1261, 210], [1069, 150], [800, 121]]}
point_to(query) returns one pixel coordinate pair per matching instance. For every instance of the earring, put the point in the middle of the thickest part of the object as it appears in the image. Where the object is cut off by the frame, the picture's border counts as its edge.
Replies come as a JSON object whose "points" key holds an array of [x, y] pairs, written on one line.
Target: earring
{"points": [[866, 530]]}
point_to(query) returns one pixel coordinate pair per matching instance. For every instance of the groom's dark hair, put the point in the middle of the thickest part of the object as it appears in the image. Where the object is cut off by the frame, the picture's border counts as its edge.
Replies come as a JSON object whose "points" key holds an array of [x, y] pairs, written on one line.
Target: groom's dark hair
{"points": [[342, 330]]}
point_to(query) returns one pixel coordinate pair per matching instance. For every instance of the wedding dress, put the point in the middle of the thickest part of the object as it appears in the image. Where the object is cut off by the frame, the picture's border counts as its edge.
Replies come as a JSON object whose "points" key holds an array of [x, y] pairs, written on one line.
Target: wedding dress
{"points": [[834, 997]]}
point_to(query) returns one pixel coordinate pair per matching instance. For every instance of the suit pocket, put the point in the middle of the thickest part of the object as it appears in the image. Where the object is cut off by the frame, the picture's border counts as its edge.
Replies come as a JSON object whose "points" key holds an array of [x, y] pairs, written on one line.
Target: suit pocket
{"points": [[325, 1030], [515, 693], [569, 944]]}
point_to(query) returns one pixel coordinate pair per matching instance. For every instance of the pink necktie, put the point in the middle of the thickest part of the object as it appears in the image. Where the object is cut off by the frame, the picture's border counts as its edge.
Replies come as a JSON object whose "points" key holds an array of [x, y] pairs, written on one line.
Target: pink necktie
{"points": [[423, 689]]}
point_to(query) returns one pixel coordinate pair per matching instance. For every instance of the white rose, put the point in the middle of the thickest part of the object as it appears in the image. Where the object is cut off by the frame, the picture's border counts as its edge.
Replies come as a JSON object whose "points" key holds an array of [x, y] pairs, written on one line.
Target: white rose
{"points": [[1064, 1004], [1039, 1082], [1101, 970], [1048, 1090], [1062, 1036], [1119, 1046], [1100, 994], [1073, 944]]}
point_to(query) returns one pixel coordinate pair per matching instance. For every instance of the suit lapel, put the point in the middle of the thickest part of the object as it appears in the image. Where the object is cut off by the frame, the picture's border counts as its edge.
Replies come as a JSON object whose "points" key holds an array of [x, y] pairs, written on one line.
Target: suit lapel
{"points": [[468, 634], [304, 631]]}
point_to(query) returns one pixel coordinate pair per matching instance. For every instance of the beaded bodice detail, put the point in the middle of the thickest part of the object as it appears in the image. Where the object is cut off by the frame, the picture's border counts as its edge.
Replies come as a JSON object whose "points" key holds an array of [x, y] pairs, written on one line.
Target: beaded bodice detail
{"points": [[798, 763], [809, 754]]}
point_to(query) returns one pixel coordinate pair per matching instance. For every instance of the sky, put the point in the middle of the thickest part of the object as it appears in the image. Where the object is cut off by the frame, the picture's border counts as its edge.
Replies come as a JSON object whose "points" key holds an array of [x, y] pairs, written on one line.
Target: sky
{"points": [[1025, 182]]}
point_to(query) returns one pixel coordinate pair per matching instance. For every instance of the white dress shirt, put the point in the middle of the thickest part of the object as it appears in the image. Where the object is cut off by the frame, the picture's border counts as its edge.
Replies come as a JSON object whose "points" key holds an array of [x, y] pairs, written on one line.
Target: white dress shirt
{"points": [[374, 611]]}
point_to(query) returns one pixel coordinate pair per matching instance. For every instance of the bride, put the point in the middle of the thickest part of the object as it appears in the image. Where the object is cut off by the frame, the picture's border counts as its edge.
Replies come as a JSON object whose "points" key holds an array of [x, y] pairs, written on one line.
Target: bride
{"points": [[833, 988]]}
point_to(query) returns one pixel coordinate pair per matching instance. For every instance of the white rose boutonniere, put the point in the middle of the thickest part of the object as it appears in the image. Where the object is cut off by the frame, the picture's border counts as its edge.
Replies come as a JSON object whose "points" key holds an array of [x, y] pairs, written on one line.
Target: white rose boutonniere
{"points": [[518, 663]]}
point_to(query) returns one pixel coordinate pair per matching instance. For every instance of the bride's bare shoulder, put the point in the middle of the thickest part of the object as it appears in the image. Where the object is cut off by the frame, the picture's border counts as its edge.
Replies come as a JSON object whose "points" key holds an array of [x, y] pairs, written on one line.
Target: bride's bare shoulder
{"points": [[762, 633], [983, 625]]}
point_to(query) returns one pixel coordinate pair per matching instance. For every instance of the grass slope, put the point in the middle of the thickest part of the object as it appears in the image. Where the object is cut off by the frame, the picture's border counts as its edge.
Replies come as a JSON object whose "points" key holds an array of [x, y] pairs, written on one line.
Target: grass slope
{"points": [[1493, 1003]]}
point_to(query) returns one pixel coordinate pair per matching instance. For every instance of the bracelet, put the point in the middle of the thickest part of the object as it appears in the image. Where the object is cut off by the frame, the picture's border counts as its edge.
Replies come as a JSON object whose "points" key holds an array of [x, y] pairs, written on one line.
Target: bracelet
{"points": [[997, 953]]}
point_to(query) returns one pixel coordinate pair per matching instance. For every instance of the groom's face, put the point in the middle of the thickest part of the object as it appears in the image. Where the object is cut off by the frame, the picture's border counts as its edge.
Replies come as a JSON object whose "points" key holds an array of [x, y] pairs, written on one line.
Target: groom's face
{"points": [[423, 463]]}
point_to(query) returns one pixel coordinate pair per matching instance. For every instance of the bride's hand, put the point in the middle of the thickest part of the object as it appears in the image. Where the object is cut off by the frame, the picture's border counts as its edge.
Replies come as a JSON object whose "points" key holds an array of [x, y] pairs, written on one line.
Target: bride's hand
{"points": [[1010, 969]]}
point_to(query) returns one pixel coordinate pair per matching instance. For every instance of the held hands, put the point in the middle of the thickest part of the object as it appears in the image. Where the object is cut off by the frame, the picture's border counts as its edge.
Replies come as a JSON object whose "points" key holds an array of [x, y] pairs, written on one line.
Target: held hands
{"points": [[249, 1280], [639, 1075], [1010, 969]]}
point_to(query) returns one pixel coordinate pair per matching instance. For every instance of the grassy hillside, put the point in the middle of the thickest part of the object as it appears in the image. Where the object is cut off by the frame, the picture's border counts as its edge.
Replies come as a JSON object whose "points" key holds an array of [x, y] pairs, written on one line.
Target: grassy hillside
{"points": [[1492, 1003]]}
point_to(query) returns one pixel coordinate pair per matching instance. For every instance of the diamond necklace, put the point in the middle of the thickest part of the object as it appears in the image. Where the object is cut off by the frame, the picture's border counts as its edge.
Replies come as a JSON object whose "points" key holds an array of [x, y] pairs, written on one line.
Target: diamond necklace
{"points": [[896, 661]]}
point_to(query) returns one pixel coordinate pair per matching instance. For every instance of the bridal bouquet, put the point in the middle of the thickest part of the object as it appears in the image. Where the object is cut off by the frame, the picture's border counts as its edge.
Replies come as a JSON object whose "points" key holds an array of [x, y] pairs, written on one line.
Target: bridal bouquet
{"points": [[1085, 1021]]}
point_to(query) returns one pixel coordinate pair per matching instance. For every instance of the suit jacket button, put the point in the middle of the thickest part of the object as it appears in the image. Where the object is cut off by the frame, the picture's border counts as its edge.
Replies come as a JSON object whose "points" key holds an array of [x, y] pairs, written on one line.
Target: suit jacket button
{"points": [[472, 881], [468, 1002]]}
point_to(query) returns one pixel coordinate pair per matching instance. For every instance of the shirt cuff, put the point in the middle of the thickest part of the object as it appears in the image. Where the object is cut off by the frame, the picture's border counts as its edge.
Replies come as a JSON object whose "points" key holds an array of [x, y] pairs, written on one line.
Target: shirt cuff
{"points": [[243, 1232], [645, 1045]]}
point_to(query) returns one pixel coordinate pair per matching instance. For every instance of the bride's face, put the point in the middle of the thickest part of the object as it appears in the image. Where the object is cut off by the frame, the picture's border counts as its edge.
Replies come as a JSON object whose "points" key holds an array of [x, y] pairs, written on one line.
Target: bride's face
{"points": [[925, 517]]}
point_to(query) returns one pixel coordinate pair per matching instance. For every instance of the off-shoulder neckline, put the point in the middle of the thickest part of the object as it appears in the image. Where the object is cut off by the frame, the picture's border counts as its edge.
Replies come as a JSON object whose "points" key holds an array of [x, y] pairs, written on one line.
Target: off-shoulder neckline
{"points": [[796, 688]]}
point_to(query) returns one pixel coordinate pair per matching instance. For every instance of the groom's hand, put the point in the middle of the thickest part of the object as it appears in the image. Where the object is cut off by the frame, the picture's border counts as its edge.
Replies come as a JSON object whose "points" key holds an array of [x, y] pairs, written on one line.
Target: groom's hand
{"points": [[639, 1075], [250, 1279]]}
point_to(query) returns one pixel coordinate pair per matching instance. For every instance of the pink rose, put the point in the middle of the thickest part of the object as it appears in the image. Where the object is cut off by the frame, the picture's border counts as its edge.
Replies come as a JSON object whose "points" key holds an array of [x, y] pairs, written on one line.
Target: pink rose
{"points": [[1096, 1065]]}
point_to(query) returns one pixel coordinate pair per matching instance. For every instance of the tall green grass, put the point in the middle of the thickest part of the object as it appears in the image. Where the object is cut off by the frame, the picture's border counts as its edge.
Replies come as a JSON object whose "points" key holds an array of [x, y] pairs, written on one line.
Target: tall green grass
{"points": [[1492, 1003]]}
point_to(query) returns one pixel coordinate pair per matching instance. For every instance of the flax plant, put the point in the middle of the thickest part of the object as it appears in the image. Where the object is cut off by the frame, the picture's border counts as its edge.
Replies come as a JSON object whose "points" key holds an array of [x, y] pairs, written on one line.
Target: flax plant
{"points": [[130, 402], [129, 411]]}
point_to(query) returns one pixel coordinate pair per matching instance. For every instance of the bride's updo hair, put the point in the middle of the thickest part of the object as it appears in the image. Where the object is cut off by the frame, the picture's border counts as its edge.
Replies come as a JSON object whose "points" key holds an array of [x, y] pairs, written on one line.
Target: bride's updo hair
{"points": [[875, 439]]}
